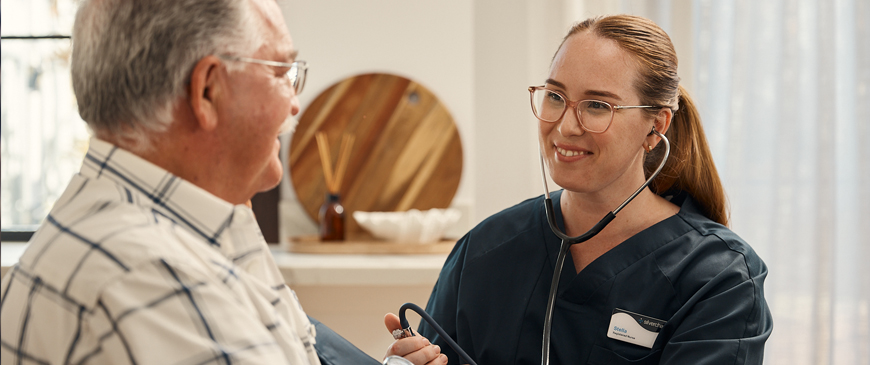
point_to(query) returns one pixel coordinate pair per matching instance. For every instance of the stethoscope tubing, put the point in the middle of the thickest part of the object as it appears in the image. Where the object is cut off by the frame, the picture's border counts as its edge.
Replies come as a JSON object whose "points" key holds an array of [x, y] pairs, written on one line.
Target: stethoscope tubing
{"points": [[407, 327], [568, 241]]}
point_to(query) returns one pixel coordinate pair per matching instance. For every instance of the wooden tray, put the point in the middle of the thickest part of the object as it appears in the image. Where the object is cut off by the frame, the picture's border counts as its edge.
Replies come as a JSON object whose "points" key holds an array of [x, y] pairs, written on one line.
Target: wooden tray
{"points": [[407, 153], [311, 244]]}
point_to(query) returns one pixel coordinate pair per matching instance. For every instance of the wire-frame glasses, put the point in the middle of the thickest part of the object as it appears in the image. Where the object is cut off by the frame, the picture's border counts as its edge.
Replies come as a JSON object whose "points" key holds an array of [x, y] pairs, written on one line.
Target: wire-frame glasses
{"points": [[594, 115], [296, 73]]}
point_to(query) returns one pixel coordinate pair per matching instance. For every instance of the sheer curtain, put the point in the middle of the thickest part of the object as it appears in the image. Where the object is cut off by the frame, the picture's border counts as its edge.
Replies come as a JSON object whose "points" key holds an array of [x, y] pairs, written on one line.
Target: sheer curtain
{"points": [[784, 92]]}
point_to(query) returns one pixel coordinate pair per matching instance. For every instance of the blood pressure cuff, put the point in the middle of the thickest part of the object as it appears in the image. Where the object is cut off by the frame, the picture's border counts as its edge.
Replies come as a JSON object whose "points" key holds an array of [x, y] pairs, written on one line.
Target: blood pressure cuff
{"points": [[332, 349]]}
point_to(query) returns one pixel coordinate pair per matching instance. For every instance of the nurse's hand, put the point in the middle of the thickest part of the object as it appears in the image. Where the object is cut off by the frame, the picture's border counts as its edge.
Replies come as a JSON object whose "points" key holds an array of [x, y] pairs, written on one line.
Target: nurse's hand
{"points": [[416, 349]]}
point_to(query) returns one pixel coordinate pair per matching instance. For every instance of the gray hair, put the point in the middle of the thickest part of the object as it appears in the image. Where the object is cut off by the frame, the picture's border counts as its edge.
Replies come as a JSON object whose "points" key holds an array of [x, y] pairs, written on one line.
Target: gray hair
{"points": [[132, 59]]}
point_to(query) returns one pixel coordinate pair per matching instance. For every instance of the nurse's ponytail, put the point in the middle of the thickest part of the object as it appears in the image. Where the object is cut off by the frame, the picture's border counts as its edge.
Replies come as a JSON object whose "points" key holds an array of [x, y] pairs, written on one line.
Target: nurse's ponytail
{"points": [[690, 167]]}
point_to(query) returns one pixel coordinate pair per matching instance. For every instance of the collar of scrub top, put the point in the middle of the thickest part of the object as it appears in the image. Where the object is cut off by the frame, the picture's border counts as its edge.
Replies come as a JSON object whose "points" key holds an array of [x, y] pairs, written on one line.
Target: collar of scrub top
{"points": [[568, 241]]}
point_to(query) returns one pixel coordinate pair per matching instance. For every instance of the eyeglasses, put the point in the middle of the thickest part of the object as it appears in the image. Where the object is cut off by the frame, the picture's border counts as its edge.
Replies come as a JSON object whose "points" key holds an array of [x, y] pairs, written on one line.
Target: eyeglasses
{"points": [[296, 74], [594, 115]]}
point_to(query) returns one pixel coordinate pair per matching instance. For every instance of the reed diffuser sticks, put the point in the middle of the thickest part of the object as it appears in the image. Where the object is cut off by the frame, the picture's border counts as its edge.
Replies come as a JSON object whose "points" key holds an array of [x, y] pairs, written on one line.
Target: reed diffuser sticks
{"points": [[334, 178]]}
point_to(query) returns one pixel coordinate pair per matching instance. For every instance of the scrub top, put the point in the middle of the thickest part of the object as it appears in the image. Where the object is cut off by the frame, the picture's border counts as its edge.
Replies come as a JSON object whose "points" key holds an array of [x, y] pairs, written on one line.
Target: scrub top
{"points": [[692, 280]]}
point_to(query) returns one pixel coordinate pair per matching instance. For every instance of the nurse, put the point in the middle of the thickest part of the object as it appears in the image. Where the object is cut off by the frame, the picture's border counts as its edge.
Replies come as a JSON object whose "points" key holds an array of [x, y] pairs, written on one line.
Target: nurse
{"points": [[666, 282]]}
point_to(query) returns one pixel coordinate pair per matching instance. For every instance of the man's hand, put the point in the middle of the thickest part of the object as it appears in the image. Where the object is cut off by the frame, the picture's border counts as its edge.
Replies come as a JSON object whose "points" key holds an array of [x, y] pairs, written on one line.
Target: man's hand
{"points": [[416, 349]]}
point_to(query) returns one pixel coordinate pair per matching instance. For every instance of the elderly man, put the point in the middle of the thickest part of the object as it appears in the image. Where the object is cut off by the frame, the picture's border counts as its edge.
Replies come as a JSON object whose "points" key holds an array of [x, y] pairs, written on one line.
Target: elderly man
{"points": [[150, 256]]}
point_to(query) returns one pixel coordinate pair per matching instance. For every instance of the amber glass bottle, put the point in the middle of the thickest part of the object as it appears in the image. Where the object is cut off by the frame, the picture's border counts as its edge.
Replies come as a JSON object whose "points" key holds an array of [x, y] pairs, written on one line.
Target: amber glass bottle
{"points": [[332, 219]]}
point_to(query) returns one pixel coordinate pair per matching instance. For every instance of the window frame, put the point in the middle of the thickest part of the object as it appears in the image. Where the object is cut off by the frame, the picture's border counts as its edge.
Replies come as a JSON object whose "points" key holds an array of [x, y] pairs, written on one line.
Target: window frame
{"points": [[13, 234]]}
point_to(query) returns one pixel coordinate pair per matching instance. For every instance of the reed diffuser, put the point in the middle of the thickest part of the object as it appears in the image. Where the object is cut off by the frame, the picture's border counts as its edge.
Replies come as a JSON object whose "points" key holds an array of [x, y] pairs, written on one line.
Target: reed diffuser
{"points": [[332, 212]]}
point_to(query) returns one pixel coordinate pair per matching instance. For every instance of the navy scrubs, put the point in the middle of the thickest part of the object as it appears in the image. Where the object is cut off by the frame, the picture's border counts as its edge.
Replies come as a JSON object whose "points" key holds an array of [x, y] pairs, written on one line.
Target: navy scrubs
{"points": [[697, 275]]}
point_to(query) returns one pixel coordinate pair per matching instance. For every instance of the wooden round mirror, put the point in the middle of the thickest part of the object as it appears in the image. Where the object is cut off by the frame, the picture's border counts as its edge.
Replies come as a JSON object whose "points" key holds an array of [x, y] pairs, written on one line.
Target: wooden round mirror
{"points": [[407, 153]]}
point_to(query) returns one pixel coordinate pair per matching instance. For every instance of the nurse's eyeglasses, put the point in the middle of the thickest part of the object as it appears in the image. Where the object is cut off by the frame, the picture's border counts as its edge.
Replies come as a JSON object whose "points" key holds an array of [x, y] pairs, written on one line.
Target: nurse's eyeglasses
{"points": [[594, 115], [296, 73]]}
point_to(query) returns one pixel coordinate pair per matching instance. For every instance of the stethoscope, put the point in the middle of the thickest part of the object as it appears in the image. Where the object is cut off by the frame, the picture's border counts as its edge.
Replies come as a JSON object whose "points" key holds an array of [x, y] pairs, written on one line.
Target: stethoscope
{"points": [[567, 241]]}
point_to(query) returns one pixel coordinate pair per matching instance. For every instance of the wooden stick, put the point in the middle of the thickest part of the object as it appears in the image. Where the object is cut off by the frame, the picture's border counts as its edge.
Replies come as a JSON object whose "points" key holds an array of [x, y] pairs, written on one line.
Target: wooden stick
{"points": [[325, 160], [344, 156], [335, 176]]}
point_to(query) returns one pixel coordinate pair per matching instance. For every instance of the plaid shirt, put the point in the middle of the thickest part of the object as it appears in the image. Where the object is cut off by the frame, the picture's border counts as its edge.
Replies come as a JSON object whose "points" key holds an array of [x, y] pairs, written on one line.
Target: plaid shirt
{"points": [[136, 266]]}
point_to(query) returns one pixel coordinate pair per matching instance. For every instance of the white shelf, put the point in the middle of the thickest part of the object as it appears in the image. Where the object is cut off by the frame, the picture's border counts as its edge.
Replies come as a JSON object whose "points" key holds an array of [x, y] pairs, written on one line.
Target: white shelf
{"points": [[323, 269]]}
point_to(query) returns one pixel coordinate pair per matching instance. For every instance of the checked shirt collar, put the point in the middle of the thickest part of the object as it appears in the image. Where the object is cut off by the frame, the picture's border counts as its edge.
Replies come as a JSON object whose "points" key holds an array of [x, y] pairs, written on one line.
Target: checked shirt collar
{"points": [[198, 211]]}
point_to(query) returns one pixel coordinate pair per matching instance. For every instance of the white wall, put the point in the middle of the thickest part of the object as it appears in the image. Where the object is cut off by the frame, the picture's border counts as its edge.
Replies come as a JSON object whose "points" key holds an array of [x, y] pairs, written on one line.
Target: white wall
{"points": [[514, 41]]}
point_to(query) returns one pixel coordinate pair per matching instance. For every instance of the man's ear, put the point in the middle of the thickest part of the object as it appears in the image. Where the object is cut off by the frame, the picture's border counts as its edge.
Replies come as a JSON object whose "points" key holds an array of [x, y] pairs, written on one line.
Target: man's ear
{"points": [[206, 83]]}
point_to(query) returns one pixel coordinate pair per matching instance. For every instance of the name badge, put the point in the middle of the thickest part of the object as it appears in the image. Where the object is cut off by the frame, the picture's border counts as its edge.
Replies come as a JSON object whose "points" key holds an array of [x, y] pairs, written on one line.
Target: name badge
{"points": [[634, 328]]}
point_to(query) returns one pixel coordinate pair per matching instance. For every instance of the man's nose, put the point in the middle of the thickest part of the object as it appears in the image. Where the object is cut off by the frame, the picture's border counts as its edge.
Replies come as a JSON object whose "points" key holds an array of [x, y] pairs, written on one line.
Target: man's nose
{"points": [[294, 105]]}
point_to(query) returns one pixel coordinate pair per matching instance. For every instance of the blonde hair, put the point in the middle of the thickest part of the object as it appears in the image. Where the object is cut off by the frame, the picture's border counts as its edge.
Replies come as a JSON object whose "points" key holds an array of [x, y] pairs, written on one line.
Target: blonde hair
{"points": [[690, 167]]}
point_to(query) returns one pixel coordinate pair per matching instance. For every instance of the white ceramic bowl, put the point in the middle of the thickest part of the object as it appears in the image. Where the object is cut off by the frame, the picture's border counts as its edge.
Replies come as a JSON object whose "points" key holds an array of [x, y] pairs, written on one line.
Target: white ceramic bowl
{"points": [[412, 226]]}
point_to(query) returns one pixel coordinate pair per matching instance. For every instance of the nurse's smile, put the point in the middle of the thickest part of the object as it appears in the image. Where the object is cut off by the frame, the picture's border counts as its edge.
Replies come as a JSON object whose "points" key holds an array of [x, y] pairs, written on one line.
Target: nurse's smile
{"points": [[570, 154]]}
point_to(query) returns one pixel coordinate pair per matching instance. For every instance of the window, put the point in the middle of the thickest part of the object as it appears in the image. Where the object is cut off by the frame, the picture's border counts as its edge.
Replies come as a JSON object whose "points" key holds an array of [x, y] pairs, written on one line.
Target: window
{"points": [[43, 137]]}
